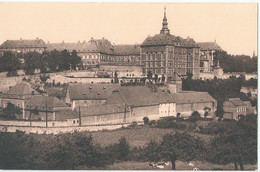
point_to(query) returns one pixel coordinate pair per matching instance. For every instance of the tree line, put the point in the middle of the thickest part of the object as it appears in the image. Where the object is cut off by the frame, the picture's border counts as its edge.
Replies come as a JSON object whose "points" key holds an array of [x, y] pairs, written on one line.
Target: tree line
{"points": [[47, 62], [236, 63], [237, 145]]}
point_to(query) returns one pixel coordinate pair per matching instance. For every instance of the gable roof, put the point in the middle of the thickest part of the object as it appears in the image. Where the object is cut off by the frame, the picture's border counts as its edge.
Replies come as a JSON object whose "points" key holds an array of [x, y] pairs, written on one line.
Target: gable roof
{"points": [[209, 46], [23, 43], [90, 91], [236, 102], [102, 109], [135, 96], [79, 47], [126, 50], [191, 97], [168, 39], [20, 91], [39, 101]]}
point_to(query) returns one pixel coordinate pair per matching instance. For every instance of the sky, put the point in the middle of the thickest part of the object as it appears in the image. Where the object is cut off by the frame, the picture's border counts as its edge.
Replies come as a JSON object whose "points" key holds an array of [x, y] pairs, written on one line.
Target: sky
{"points": [[232, 25]]}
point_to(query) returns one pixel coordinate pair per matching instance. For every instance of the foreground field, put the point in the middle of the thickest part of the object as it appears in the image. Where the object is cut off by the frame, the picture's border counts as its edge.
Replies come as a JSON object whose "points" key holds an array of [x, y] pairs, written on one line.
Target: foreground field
{"points": [[136, 136], [179, 166]]}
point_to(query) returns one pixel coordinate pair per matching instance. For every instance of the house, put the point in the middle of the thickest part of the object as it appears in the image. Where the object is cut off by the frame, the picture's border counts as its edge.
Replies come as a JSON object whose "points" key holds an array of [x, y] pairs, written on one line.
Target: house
{"points": [[190, 101], [40, 107], [104, 114], [18, 95], [88, 94], [234, 107]]}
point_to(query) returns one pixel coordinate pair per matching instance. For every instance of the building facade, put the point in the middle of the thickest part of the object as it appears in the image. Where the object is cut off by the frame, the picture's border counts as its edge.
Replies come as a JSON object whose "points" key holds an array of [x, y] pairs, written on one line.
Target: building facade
{"points": [[165, 54], [234, 107], [23, 46]]}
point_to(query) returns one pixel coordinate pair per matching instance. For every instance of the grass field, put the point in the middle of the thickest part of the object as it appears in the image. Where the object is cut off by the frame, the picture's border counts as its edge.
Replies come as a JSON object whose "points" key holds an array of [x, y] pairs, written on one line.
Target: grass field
{"points": [[179, 166], [137, 136]]}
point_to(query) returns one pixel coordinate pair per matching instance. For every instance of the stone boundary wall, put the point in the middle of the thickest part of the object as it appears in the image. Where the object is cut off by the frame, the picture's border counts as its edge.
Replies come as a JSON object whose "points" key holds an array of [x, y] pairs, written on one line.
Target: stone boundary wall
{"points": [[39, 127]]}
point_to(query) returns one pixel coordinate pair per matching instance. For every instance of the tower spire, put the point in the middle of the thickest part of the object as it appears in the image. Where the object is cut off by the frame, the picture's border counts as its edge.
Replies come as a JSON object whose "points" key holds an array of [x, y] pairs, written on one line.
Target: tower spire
{"points": [[165, 29]]}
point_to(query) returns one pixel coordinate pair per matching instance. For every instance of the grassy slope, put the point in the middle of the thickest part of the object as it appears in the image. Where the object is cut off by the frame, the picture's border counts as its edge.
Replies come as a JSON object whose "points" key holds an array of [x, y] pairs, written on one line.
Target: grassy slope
{"points": [[137, 136]]}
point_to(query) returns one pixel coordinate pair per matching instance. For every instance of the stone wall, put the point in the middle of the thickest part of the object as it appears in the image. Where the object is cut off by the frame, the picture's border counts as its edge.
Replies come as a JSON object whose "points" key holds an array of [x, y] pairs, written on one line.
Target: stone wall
{"points": [[58, 130]]}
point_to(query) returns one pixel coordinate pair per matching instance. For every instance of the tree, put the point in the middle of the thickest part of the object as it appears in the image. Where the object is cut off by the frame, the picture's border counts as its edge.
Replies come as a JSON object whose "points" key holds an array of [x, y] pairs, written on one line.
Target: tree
{"points": [[163, 78], [195, 116], [180, 146], [10, 63], [123, 149], [11, 112], [146, 120], [156, 77], [75, 59], [149, 75], [33, 60], [116, 77], [238, 146]]}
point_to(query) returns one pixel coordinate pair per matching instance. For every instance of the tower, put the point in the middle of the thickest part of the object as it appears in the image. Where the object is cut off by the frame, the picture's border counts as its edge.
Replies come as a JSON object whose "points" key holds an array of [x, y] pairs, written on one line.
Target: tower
{"points": [[218, 71], [165, 29]]}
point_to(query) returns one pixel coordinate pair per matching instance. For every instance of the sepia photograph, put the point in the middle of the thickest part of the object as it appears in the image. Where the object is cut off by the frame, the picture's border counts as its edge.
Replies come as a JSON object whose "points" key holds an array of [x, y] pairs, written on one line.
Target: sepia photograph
{"points": [[128, 86]]}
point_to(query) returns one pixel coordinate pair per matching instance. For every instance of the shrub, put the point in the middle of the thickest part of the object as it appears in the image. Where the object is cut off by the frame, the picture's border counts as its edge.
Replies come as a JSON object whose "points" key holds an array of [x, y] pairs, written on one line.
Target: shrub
{"points": [[195, 116], [146, 120]]}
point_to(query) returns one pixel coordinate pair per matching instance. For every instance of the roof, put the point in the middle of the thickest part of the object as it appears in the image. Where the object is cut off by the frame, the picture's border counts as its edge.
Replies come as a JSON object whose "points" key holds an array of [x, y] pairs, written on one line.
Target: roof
{"points": [[191, 97], [20, 91], [39, 101], [209, 46], [126, 50], [236, 102], [174, 77], [168, 39], [95, 45], [34, 43], [90, 91], [135, 96], [79, 47], [62, 115], [102, 109]]}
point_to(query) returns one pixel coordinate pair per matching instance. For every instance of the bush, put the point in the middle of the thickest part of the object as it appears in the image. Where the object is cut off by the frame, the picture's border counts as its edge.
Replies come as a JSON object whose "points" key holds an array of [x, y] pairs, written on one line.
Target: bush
{"points": [[195, 116], [170, 123], [146, 120], [216, 127]]}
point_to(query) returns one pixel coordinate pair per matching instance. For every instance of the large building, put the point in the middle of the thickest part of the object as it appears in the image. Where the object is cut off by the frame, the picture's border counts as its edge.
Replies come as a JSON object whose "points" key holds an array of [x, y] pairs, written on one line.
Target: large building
{"points": [[23, 46], [97, 51], [166, 54]]}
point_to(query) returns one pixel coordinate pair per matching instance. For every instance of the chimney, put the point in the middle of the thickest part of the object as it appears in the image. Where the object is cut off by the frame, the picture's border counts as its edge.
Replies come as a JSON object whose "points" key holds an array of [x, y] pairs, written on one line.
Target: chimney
{"points": [[48, 42], [37, 38], [63, 42], [188, 38], [103, 38], [21, 39], [78, 41]]}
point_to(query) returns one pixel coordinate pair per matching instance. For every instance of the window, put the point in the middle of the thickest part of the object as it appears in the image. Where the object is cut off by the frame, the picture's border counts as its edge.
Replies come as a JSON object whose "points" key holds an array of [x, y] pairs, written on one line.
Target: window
{"points": [[74, 122]]}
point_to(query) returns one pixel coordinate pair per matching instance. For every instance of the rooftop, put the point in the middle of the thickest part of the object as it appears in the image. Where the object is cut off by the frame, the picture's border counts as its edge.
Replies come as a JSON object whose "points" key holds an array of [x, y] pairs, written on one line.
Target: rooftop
{"points": [[20, 91], [209, 46], [23, 43], [90, 91]]}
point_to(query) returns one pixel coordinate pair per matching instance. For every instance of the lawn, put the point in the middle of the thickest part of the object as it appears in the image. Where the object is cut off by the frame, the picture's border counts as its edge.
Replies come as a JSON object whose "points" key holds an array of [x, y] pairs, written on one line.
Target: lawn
{"points": [[179, 166], [136, 136]]}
